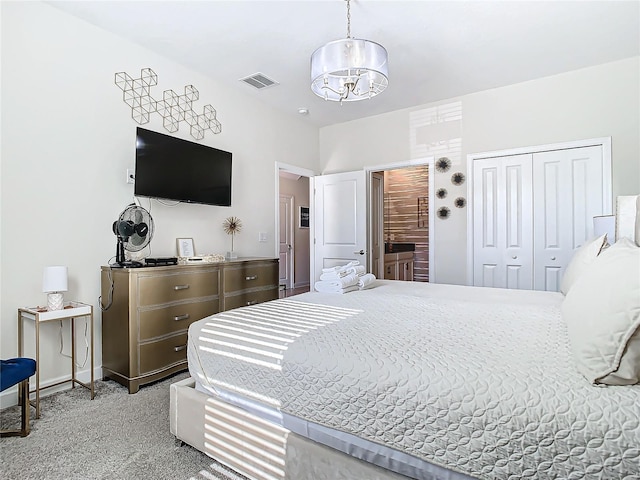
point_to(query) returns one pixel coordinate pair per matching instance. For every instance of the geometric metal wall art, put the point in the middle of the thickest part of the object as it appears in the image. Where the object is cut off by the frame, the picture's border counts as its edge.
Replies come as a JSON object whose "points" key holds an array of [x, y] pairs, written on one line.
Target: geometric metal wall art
{"points": [[173, 108]]}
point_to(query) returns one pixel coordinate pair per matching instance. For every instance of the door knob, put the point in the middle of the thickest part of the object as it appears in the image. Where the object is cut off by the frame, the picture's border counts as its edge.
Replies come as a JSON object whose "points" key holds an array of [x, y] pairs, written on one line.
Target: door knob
{"points": [[289, 247], [361, 252], [553, 258], [514, 257]]}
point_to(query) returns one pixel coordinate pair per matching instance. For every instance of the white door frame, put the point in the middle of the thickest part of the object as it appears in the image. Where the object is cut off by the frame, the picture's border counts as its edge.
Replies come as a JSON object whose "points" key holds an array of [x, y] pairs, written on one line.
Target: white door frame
{"points": [[604, 142], [304, 172], [289, 268], [430, 162]]}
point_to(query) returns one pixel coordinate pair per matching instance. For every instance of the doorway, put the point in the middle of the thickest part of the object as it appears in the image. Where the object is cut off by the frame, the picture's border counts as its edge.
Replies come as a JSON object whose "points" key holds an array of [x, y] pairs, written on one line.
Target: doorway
{"points": [[401, 224], [293, 242]]}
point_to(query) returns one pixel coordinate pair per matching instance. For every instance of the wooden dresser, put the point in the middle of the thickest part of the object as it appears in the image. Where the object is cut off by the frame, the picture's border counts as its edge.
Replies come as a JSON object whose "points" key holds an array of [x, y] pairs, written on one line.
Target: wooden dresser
{"points": [[144, 330]]}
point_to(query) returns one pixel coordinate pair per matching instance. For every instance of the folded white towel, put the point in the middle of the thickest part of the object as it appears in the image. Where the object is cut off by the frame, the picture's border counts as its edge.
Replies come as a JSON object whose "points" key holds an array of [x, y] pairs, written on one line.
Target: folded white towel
{"points": [[339, 268], [366, 281], [337, 285], [337, 275], [343, 282], [357, 270], [325, 288]]}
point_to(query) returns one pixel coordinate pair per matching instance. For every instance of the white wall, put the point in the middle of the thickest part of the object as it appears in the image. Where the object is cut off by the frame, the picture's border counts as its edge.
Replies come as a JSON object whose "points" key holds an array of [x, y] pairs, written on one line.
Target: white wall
{"points": [[67, 140], [595, 102]]}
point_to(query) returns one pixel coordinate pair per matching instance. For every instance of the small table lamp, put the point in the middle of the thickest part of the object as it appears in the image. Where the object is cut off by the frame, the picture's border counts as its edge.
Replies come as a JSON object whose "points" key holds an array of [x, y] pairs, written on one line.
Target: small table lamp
{"points": [[54, 281]]}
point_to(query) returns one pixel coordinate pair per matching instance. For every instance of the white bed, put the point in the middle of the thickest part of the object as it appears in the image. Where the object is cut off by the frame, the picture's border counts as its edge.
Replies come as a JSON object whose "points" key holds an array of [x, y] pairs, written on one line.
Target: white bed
{"points": [[403, 380]]}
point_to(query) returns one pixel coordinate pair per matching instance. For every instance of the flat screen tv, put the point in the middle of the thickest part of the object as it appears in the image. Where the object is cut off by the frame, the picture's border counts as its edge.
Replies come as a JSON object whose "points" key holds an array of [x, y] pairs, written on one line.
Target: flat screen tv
{"points": [[175, 169]]}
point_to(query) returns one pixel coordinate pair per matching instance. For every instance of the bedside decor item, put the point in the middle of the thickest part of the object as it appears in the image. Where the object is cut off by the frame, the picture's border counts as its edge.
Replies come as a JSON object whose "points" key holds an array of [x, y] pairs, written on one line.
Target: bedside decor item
{"points": [[185, 247], [201, 259], [460, 202], [457, 178], [173, 108], [232, 226], [134, 230], [443, 164], [441, 193], [349, 69], [55, 281], [443, 213]]}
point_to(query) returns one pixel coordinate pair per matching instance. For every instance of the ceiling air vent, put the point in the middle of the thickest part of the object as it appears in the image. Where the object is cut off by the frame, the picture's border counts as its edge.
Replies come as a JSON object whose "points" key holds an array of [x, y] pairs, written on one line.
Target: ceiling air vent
{"points": [[259, 81]]}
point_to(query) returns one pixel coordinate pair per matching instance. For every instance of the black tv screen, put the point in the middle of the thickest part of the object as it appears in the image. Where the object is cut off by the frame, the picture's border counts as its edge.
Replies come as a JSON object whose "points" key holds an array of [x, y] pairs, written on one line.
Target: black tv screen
{"points": [[175, 169]]}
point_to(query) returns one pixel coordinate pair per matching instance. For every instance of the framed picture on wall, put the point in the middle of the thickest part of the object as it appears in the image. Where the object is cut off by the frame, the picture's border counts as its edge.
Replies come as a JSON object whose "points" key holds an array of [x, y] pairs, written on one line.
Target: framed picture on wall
{"points": [[304, 217]]}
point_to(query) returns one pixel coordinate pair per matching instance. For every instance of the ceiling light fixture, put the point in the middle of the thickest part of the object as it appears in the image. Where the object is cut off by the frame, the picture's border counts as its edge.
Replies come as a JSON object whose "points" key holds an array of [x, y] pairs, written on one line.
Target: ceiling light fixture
{"points": [[350, 69]]}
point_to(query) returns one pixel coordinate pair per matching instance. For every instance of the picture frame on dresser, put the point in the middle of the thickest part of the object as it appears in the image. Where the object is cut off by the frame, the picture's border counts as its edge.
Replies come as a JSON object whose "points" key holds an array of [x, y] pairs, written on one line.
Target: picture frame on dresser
{"points": [[185, 247]]}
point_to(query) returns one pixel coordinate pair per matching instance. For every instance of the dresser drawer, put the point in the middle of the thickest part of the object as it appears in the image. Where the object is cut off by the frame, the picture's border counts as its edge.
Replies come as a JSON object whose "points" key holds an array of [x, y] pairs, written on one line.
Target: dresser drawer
{"points": [[162, 321], [160, 354], [250, 276], [250, 298], [175, 287]]}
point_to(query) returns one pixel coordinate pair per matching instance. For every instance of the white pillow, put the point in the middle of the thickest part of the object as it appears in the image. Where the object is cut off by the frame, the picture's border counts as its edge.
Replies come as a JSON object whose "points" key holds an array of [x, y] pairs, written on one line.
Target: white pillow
{"points": [[602, 313], [582, 258]]}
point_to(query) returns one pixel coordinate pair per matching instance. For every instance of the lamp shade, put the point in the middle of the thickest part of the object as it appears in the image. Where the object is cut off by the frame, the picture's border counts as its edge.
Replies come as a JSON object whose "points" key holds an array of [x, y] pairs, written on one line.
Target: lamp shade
{"points": [[605, 224], [348, 70], [54, 279]]}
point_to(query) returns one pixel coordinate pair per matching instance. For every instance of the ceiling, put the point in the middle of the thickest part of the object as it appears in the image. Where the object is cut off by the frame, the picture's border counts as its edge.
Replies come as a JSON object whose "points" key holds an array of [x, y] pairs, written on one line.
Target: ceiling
{"points": [[437, 49]]}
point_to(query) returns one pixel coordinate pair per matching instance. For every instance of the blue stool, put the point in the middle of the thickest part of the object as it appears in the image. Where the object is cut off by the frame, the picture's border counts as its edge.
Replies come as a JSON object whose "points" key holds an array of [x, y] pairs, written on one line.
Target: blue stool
{"points": [[12, 372]]}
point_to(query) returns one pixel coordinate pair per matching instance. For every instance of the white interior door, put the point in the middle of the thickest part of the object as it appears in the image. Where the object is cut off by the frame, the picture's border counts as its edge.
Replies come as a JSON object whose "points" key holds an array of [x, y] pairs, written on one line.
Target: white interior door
{"points": [[567, 195], [502, 211], [340, 223], [286, 240]]}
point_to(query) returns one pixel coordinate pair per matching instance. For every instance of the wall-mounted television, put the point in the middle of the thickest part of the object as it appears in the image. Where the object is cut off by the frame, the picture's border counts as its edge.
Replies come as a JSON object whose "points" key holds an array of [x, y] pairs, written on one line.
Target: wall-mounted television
{"points": [[174, 169]]}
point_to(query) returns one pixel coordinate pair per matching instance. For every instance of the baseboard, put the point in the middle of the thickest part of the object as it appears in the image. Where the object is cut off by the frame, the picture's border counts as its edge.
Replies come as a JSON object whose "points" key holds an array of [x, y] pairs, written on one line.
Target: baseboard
{"points": [[9, 397]]}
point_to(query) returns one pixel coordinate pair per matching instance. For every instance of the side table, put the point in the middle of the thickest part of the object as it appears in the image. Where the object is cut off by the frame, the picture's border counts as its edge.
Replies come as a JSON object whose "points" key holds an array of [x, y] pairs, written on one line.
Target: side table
{"points": [[72, 310]]}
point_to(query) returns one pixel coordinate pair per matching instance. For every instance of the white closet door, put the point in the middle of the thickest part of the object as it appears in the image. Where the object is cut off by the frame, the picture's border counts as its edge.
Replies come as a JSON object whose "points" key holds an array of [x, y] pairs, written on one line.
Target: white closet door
{"points": [[503, 221], [568, 193]]}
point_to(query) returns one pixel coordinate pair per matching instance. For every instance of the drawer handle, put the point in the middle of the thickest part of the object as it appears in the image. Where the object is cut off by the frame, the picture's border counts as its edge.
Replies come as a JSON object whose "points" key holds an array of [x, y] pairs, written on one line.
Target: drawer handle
{"points": [[251, 277], [181, 287], [252, 302], [180, 348], [181, 317]]}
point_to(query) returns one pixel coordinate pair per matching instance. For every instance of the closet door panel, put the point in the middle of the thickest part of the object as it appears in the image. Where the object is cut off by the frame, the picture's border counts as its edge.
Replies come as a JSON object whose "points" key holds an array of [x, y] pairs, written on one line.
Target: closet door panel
{"points": [[502, 212], [486, 211], [518, 253], [567, 193]]}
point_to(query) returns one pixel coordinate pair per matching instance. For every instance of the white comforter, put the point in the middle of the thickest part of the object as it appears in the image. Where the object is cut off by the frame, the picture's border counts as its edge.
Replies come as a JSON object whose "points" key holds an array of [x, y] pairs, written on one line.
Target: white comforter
{"points": [[477, 380]]}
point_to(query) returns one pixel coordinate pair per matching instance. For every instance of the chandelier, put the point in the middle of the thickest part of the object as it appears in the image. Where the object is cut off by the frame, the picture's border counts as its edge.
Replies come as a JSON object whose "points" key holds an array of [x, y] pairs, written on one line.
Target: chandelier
{"points": [[350, 69]]}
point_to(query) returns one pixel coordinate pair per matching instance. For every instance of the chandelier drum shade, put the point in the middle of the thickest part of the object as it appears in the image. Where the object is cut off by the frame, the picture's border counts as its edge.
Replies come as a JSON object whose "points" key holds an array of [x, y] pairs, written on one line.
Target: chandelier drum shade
{"points": [[349, 69]]}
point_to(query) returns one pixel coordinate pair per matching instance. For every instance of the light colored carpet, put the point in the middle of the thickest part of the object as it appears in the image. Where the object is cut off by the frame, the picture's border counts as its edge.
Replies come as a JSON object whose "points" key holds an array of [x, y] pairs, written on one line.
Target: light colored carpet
{"points": [[114, 436]]}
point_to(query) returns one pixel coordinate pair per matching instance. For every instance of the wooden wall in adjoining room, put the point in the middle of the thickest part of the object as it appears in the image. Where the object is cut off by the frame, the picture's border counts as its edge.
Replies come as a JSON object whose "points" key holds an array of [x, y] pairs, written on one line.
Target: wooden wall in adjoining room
{"points": [[402, 188]]}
